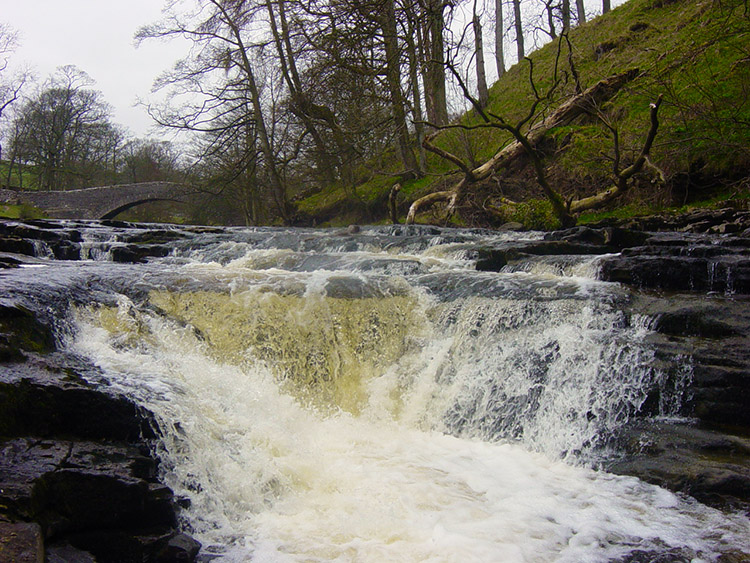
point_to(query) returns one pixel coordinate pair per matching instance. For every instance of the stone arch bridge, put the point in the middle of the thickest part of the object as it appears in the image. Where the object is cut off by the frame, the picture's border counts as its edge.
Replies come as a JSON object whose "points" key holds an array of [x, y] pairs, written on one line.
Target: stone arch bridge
{"points": [[98, 203]]}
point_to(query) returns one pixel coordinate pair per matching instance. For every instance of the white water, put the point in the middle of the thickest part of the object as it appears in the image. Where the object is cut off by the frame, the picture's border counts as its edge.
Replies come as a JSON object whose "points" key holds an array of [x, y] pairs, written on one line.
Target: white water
{"points": [[307, 427]]}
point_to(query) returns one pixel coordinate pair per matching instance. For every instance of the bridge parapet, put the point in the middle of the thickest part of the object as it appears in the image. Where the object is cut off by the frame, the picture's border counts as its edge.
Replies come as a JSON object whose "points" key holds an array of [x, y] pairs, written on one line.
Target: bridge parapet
{"points": [[103, 202]]}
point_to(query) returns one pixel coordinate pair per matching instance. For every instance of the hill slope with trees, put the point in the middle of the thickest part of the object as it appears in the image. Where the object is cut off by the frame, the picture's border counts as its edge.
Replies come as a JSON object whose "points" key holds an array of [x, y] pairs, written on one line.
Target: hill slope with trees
{"points": [[682, 63]]}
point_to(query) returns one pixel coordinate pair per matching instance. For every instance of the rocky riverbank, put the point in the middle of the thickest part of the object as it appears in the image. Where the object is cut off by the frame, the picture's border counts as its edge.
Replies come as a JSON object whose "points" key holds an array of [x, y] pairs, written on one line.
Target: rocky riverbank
{"points": [[77, 479]]}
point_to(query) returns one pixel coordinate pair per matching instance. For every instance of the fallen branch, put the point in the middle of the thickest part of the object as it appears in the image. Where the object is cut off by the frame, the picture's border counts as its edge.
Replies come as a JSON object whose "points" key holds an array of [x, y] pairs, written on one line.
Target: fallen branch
{"points": [[564, 114]]}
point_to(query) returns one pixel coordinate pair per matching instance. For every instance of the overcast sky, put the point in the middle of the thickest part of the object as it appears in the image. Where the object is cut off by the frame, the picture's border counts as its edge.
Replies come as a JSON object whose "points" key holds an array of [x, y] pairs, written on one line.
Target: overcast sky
{"points": [[97, 37]]}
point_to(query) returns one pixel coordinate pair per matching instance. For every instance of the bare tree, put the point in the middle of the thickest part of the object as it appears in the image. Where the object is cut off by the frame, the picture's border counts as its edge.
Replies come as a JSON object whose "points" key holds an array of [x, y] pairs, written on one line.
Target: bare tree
{"points": [[393, 77], [221, 45], [527, 138], [434, 56], [64, 131]]}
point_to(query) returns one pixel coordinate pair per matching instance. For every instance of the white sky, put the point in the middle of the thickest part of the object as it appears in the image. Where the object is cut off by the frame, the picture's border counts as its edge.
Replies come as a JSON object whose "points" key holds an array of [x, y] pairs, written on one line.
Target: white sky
{"points": [[97, 37]]}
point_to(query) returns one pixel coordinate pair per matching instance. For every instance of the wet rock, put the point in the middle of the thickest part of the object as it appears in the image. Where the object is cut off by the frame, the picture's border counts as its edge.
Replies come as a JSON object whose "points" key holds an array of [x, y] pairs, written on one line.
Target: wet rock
{"points": [[20, 330], [711, 466], [179, 548], [21, 543], [74, 460], [494, 259], [703, 348], [16, 245], [138, 253], [689, 263], [38, 400], [698, 221], [66, 553]]}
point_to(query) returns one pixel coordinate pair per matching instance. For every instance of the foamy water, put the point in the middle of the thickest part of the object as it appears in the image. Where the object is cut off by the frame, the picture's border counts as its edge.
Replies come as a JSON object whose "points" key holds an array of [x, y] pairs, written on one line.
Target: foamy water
{"points": [[305, 424]]}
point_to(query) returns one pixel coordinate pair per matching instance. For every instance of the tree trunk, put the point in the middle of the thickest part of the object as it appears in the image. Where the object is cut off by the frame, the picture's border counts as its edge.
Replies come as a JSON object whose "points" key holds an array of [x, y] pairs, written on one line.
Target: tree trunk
{"points": [[392, 203], [484, 95], [416, 96], [566, 15], [606, 6], [277, 185], [549, 8], [290, 74], [437, 108], [580, 12], [519, 29], [499, 38], [393, 77]]}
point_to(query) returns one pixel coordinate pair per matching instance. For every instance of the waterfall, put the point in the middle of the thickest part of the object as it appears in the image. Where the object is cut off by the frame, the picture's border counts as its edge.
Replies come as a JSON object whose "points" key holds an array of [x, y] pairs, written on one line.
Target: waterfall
{"points": [[323, 398]]}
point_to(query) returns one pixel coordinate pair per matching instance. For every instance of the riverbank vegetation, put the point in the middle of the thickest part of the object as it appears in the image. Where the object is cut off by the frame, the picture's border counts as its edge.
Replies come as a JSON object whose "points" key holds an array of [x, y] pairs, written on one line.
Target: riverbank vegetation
{"points": [[364, 112]]}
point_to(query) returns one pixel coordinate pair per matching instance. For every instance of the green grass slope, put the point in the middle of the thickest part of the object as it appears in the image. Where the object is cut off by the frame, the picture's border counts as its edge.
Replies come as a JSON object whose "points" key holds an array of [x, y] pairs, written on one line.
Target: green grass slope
{"points": [[695, 53]]}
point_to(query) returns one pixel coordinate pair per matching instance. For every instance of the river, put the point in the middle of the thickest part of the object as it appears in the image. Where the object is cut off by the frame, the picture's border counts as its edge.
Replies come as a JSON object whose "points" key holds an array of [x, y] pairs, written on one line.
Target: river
{"points": [[333, 396]]}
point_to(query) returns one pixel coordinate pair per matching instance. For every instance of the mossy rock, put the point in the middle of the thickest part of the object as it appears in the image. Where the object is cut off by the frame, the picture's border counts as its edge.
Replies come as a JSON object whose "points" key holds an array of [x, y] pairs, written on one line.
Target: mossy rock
{"points": [[21, 331]]}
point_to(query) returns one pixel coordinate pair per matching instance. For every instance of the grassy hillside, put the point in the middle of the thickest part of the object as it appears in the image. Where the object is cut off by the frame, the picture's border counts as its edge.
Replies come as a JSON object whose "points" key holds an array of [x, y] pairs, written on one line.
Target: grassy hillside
{"points": [[695, 53]]}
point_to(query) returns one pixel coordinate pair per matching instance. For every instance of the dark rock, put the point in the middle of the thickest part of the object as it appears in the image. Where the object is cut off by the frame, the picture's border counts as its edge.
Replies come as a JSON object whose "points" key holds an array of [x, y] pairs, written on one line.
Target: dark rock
{"points": [[153, 236], [21, 543], [682, 264], [66, 250], [493, 259], [624, 238], [694, 320], [179, 548], [16, 245], [699, 221], [92, 496], [711, 466], [20, 330], [66, 553], [673, 555], [703, 348], [64, 405], [137, 253], [580, 234]]}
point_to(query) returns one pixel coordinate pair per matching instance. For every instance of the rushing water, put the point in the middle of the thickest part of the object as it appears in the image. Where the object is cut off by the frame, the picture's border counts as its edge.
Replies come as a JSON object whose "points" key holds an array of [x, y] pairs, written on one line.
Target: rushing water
{"points": [[371, 397]]}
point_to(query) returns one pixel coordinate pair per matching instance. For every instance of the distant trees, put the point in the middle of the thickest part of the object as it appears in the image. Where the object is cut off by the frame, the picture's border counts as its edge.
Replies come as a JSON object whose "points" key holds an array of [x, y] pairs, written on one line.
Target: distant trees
{"points": [[63, 136], [65, 133]]}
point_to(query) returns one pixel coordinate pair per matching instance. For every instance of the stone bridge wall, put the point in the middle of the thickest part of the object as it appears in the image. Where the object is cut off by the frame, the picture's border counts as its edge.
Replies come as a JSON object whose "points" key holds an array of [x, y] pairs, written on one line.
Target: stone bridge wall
{"points": [[96, 203]]}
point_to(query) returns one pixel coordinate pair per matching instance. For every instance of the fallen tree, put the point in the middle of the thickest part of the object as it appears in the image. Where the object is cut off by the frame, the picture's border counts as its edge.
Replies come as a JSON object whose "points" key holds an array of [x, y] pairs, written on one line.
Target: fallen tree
{"points": [[525, 143]]}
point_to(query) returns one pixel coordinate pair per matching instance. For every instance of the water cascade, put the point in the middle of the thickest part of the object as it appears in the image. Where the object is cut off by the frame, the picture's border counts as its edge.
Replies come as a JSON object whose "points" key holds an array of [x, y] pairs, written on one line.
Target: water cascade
{"points": [[326, 397]]}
